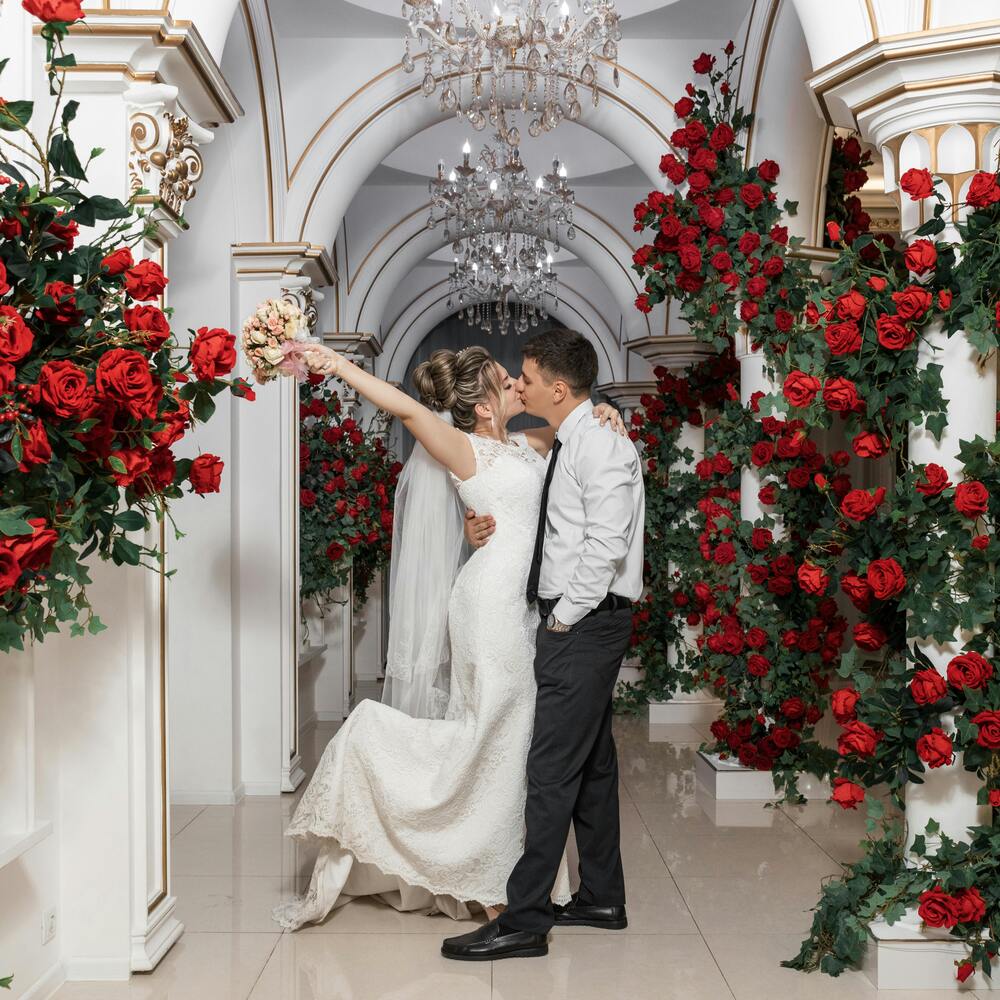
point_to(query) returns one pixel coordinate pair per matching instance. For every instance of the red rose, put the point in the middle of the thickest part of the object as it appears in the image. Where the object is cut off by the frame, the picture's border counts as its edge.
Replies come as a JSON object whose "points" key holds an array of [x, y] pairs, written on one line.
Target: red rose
{"points": [[981, 542], [768, 171], [847, 794], [335, 552], [725, 554], [206, 474], [935, 748], [145, 281], [684, 107], [812, 579], [689, 257], [65, 232], [150, 323], [762, 453], [964, 970], [783, 320], [893, 333], [868, 444], [16, 339], [699, 182], [696, 133], [176, 423], [983, 191], [917, 183], [833, 232], [971, 498], [851, 305], [971, 906], [64, 312], [34, 551], [722, 136], [935, 480], [761, 538], [747, 243], [307, 498], [36, 449], [944, 299], [758, 666], [642, 303], [886, 578], [843, 704], [927, 686], [118, 263], [800, 389], [757, 286], [10, 229], [161, 473], [877, 283], [767, 495], [4, 283], [64, 389], [843, 338], [721, 261], [840, 395], [869, 636], [858, 505], [704, 159], [212, 353], [989, 729], [123, 376], [921, 256], [704, 63], [10, 569], [969, 670], [751, 195], [135, 463], [857, 589], [912, 302], [54, 10], [749, 311], [858, 738], [937, 908]]}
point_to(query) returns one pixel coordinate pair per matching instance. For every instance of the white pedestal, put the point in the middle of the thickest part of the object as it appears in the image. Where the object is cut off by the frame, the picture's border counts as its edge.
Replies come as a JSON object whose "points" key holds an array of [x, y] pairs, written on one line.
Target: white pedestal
{"points": [[730, 780], [697, 708], [907, 956]]}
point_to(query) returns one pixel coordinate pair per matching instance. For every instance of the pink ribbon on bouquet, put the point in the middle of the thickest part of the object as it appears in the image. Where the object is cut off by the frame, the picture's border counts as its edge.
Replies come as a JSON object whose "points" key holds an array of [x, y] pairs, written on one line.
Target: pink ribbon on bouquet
{"points": [[294, 362]]}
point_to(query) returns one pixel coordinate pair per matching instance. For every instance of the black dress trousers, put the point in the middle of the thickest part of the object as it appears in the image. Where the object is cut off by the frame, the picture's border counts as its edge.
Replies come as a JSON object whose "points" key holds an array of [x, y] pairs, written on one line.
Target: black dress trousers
{"points": [[572, 770]]}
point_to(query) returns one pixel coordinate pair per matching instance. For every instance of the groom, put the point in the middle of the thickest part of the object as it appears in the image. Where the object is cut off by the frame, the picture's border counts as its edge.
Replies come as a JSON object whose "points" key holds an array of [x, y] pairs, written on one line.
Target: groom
{"points": [[586, 572]]}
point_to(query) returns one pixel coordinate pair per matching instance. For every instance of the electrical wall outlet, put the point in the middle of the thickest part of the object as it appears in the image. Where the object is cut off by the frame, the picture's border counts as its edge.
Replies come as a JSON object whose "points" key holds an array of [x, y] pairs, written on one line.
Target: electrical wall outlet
{"points": [[48, 925]]}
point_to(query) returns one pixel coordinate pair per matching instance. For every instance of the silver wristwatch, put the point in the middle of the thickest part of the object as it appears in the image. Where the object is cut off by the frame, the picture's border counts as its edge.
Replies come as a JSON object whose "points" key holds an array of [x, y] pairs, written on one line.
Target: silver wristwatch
{"points": [[554, 625]]}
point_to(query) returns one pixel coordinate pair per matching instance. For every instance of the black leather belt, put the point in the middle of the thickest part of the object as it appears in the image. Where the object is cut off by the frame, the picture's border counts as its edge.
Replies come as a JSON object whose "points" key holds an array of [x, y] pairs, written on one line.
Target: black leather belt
{"points": [[613, 602]]}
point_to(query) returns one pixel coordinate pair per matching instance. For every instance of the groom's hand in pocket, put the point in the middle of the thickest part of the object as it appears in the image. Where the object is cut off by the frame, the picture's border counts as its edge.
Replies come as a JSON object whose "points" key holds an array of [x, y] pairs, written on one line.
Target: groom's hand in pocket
{"points": [[478, 530]]}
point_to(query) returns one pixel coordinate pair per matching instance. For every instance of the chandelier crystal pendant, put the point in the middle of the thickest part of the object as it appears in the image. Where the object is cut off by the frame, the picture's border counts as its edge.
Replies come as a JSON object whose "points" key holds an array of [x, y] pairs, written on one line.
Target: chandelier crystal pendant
{"points": [[527, 59]]}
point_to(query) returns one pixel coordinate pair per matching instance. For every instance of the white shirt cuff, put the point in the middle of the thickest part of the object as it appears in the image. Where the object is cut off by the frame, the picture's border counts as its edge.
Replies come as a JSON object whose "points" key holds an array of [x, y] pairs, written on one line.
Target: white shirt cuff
{"points": [[569, 614]]}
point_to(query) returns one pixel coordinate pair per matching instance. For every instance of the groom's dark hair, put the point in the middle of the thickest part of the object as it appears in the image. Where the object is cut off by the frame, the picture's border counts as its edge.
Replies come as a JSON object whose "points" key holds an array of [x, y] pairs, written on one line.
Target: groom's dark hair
{"points": [[567, 355]]}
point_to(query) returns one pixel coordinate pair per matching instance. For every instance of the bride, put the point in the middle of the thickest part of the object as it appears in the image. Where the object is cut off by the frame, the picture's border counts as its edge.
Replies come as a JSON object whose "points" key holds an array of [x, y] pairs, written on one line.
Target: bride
{"points": [[428, 813]]}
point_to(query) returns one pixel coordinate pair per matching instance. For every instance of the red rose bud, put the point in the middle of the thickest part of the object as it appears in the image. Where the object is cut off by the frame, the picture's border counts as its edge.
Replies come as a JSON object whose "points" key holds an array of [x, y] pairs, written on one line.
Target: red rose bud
{"points": [[821, 482], [833, 231], [847, 794], [877, 283], [964, 970], [994, 798], [981, 542], [118, 262], [944, 299]]}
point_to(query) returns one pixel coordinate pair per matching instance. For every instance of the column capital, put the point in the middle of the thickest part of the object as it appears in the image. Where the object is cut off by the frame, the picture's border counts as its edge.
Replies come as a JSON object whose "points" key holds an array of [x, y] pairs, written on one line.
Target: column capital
{"points": [[628, 395], [674, 351], [297, 263], [898, 84], [359, 347], [119, 49]]}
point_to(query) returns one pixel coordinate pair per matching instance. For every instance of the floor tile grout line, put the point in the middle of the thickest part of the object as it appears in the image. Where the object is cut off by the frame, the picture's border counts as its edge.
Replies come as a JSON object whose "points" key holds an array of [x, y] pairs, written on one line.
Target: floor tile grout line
{"points": [[810, 837], [277, 944], [174, 833], [694, 920]]}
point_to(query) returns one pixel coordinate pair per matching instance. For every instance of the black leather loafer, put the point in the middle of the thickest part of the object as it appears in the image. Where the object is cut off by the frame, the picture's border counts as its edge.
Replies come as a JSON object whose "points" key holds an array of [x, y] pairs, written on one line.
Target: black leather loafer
{"points": [[576, 914], [491, 942]]}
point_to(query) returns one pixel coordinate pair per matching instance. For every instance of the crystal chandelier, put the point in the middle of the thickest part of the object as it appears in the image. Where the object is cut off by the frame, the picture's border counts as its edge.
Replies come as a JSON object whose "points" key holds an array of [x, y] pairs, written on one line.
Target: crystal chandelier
{"points": [[526, 59], [495, 195], [508, 281]]}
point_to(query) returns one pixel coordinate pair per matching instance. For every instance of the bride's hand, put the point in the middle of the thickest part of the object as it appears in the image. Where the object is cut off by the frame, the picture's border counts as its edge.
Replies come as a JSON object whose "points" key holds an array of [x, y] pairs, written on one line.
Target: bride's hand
{"points": [[323, 360], [605, 412]]}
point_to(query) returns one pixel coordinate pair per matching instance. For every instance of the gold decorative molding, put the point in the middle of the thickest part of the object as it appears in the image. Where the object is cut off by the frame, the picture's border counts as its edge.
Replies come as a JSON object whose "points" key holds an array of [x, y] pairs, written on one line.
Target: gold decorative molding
{"points": [[165, 157]]}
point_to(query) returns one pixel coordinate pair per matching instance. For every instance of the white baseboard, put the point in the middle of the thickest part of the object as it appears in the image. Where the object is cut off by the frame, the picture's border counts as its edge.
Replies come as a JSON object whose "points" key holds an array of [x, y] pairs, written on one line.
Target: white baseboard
{"points": [[252, 788], [162, 931], [44, 987], [97, 970], [221, 797]]}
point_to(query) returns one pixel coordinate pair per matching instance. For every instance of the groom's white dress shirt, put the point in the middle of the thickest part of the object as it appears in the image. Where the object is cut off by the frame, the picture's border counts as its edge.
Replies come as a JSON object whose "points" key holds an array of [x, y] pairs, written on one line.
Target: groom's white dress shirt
{"points": [[595, 521]]}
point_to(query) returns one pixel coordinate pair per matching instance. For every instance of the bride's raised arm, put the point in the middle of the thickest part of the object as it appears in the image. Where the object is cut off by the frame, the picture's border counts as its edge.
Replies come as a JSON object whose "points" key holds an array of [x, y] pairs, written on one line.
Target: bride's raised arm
{"points": [[445, 443]]}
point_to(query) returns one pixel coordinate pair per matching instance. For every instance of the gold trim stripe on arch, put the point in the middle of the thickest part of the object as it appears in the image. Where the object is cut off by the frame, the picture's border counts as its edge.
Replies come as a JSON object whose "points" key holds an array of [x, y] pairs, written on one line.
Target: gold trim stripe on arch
{"points": [[772, 15], [441, 298], [405, 95], [265, 118], [290, 177]]}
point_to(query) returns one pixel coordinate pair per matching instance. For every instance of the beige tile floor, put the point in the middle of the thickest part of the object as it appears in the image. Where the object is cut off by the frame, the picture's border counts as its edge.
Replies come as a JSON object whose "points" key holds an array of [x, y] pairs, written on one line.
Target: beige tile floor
{"points": [[713, 909]]}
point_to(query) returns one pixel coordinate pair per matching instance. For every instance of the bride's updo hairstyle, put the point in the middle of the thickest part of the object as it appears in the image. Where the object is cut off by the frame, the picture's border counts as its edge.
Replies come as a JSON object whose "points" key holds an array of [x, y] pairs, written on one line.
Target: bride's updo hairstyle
{"points": [[458, 381]]}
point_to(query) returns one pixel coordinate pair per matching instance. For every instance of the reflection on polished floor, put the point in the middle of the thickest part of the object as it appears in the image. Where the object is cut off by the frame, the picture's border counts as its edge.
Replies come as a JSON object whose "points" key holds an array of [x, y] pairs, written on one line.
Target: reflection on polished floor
{"points": [[714, 905]]}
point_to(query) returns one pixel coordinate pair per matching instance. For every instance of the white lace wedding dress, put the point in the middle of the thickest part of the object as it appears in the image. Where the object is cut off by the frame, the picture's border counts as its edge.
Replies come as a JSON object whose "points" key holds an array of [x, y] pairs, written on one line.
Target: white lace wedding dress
{"points": [[429, 813]]}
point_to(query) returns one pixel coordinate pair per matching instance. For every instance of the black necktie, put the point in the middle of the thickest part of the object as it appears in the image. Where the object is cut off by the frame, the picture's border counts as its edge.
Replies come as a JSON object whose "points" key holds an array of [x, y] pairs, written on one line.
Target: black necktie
{"points": [[536, 561]]}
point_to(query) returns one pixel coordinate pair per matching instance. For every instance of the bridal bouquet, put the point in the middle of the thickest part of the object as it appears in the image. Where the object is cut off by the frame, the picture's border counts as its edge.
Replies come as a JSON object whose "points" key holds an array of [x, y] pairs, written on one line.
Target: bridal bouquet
{"points": [[273, 339]]}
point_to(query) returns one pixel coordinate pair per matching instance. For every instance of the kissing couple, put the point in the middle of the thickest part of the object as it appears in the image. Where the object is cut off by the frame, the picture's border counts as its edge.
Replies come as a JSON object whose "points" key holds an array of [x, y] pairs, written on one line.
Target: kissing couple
{"points": [[435, 814]]}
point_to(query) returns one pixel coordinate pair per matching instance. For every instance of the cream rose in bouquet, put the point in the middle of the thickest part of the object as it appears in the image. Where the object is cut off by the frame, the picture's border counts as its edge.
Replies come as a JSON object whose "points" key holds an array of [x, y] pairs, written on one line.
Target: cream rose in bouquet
{"points": [[274, 338]]}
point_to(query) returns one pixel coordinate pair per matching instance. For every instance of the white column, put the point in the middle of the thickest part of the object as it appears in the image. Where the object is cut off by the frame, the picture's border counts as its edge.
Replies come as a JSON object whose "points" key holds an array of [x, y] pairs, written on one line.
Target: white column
{"points": [[939, 110]]}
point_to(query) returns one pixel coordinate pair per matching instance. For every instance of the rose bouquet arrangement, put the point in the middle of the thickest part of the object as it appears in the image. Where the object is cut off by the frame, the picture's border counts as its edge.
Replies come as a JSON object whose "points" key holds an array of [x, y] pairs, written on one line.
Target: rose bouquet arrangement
{"points": [[95, 390], [273, 340]]}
